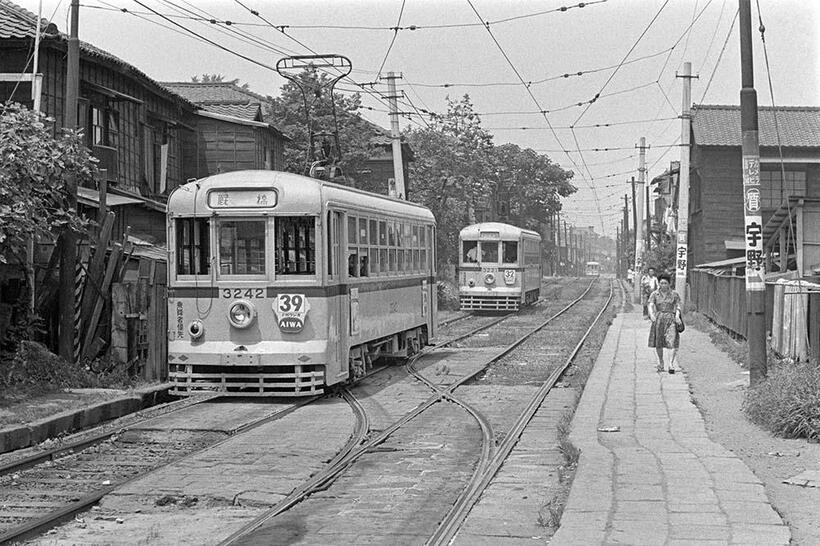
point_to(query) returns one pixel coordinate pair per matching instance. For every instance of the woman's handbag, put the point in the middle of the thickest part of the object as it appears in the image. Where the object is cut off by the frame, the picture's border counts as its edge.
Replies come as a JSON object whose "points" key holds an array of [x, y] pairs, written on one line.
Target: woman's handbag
{"points": [[680, 325]]}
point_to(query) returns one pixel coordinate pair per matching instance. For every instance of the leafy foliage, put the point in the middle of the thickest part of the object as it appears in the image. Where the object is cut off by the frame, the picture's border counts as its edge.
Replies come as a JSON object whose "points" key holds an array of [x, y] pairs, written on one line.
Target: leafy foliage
{"points": [[34, 170], [287, 113], [458, 173]]}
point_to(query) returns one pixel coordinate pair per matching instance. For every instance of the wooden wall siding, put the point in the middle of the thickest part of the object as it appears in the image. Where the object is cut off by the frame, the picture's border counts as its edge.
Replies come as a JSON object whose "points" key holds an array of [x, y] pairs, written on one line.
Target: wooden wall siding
{"points": [[229, 146], [132, 115]]}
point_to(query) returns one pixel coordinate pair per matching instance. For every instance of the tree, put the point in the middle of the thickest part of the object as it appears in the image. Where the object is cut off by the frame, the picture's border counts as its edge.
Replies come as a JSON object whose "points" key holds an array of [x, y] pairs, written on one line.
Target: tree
{"points": [[458, 173], [34, 169], [287, 113]]}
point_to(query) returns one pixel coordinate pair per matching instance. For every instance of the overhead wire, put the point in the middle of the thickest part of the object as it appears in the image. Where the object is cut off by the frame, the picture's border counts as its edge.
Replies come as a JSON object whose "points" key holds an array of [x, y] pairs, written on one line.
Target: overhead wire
{"points": [[530, 93], [720, 56], [392, 40]]}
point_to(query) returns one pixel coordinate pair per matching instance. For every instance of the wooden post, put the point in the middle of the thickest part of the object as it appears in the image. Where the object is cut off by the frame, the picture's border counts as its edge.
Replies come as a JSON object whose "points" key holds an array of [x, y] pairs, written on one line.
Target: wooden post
{"points": [[119, 323]]}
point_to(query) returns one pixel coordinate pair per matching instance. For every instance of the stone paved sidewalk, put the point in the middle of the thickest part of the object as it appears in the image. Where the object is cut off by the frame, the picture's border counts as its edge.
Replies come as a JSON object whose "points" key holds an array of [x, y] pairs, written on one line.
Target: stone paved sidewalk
{"points": [[658, 479]]}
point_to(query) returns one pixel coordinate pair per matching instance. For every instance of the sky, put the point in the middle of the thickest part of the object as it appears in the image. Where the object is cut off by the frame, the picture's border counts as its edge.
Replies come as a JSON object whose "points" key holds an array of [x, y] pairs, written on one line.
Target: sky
{"points": [[628, 51]]}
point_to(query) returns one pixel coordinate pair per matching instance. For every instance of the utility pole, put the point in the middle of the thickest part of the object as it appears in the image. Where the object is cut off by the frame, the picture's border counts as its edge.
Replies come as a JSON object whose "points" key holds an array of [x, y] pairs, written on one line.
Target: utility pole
{"points": [[617, 252], [682, 250], [648, 220], [36, 86], [753, 232], [398, 164], [566, 244], [634, 215], [625, 234], [636, 294], [68, 249]]}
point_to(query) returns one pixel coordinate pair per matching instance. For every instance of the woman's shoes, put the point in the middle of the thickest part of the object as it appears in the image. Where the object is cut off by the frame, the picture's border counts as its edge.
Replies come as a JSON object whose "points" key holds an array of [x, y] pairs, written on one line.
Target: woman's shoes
{"points": [[671, 371], [659, 368]]}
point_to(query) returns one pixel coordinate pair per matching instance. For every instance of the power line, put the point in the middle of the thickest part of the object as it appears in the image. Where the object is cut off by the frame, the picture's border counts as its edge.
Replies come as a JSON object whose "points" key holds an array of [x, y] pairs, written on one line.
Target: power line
{"points": [[393, 40], [631, 49], [527, 88], [720, 56]]}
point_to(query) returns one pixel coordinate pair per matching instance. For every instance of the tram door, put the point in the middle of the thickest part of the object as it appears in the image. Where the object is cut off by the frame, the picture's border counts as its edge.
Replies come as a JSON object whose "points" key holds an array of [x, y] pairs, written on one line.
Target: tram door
{"points": [[338, 333]]}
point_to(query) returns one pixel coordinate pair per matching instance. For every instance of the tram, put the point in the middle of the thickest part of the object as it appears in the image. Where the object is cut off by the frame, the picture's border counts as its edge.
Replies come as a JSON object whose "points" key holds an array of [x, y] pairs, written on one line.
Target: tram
{"points": [[283, 285], [499, 268], [592, 269]]}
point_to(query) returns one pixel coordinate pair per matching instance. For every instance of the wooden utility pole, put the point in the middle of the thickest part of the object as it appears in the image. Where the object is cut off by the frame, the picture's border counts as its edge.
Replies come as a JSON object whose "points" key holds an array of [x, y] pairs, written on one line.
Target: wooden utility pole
{"points": [[636, 294], [648, 220], [398, 164], [682, 250], [625, 234], [617, 252], [68, 239], [753, 231], [634, 216]]}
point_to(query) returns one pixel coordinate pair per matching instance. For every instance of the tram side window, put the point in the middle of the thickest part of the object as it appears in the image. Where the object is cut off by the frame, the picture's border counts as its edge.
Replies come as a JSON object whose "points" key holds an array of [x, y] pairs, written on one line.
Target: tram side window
{"points": [[510, 252], [470, 254], [295, 245], [242, 247], [193, 247], [489, 251]]}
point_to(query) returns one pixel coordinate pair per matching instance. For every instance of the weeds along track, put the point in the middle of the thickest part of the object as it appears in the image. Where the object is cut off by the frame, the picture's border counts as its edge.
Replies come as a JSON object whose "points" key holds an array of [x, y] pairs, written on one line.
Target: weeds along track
{"points": [[424, 457]]}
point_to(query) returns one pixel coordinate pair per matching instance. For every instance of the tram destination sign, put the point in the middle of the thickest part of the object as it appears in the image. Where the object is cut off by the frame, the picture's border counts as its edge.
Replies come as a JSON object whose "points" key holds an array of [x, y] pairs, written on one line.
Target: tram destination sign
{"points": [[262, 198]]}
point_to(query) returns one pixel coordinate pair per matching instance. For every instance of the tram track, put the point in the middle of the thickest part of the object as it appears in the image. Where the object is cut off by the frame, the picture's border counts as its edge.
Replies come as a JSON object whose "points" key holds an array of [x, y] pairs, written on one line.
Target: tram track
{"points": [[46, 489], [245, 535]]}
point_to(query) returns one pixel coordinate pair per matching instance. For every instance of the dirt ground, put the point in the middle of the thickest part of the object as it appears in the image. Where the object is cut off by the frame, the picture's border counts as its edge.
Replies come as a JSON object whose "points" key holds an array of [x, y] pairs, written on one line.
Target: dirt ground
{"points": [[25, 409], [718, 386]]}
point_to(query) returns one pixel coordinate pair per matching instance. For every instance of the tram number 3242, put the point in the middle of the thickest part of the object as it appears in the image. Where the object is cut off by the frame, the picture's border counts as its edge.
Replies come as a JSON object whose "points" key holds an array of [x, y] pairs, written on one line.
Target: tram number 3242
{"points": [[247, 293]]}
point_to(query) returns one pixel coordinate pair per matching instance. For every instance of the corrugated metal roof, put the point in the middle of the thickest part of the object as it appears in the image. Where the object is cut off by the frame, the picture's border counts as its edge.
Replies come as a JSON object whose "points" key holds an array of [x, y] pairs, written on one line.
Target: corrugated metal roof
{"points": [[719, 125], [17, 22]]}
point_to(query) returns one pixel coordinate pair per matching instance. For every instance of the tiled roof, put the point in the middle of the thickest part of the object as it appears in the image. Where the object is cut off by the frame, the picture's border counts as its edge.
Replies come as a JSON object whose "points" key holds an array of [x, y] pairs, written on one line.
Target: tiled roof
{"points": [[250, 112], [17, 22], [718, 125], [214, 92]]}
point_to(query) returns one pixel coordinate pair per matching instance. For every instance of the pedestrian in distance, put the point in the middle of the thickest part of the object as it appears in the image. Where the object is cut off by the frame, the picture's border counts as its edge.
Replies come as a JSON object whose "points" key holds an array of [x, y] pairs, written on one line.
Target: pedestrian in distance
{"points": [[664, 334], [630, 275], [649, 283]]}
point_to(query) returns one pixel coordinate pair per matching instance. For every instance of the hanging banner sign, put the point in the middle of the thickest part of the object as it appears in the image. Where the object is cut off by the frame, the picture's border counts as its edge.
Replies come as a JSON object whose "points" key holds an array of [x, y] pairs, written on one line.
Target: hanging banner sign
{"points": [[753, 228]]}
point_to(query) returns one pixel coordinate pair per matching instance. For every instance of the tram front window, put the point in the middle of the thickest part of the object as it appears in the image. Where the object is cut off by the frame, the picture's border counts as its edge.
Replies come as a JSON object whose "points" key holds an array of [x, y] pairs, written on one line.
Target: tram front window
{"points": [[193, 253], [242, 247], [489, 252], [470, 254]]}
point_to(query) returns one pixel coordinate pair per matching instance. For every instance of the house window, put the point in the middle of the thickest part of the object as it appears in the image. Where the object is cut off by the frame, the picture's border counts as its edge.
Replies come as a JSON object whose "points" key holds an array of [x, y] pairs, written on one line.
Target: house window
{"points": [[773, 190], [104, 127]]}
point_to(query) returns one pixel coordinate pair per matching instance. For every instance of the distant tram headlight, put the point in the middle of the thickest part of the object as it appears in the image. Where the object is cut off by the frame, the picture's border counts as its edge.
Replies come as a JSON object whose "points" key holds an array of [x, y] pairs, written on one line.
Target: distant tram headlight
{"points": [[489, 278], [196, 329], [241, 314]]}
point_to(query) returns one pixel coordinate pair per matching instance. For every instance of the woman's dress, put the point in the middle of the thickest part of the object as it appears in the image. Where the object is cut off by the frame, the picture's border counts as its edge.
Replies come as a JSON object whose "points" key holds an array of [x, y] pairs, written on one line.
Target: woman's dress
{"points": [[664, 332]]}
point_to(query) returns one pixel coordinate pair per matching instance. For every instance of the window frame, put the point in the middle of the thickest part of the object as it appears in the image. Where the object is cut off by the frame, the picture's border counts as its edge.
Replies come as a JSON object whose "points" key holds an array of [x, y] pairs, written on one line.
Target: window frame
{"points": [[268, 260]]}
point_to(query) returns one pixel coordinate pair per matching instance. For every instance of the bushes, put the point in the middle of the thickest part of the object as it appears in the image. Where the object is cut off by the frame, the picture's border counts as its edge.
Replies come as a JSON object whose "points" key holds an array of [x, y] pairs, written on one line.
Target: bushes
{"points": [[788, 402], [447, 296], [33, 369]]}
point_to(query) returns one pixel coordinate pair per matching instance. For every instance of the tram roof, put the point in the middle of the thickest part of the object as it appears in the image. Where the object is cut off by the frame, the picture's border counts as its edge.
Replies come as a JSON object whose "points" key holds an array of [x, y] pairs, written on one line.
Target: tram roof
{"points": [[295, 193], [505, 231]]}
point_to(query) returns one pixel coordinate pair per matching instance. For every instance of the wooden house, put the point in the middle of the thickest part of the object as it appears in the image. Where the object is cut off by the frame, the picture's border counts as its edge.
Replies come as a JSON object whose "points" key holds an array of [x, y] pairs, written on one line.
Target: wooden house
{"points": [[377, 174], [232, 133], [135, 127], [716, 181]]}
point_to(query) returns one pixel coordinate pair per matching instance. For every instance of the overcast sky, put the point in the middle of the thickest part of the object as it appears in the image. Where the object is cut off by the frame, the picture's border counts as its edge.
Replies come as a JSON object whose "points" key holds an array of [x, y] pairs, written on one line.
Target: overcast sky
{"points": [[642, 96]]}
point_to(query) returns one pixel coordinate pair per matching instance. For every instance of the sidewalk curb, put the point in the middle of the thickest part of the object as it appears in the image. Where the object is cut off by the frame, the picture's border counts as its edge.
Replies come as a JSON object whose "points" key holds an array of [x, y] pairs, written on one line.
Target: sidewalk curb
{"points": [[22, 436]]}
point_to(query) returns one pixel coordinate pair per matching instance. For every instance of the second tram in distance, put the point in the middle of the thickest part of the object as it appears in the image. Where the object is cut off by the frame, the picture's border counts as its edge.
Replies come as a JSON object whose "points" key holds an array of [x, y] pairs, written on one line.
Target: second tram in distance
{"points": [[499, 267]]}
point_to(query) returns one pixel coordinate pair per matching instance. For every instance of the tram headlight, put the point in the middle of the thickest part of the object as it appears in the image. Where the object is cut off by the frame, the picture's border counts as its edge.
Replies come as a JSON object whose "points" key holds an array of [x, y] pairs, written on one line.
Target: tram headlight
{"points": [[489, 278], [196, 329], [241, 314]]}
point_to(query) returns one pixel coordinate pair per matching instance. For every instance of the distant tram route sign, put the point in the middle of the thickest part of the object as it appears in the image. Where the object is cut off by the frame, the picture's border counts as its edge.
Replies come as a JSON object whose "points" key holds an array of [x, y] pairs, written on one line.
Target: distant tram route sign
{"points": [[261, 198]]}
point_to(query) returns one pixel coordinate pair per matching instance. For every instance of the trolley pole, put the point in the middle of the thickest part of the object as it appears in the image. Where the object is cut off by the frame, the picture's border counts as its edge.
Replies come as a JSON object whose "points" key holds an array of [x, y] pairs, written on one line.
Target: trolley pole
{"points": [[638, 205], [68, 240], [398, 164], [682, 251], [753, 231]]}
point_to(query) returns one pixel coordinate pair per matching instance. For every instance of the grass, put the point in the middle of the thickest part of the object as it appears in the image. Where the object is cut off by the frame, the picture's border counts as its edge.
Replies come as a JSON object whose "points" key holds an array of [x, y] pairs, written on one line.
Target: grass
{"points": [[787, 402], [736, 348]]}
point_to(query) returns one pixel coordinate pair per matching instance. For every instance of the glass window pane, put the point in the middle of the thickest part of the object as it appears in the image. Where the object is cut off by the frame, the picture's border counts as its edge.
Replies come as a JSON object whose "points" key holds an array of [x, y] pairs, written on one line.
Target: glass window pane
{"points": [[353, 262], [351, 230], [391, 231], [374, 232], [423, 236], [363, 231], [193, 249], [382, 233], [415, 236], [383, 260], [424, 259], [242, 247], [489, 252], [374, 260], [510, 254], [469, 252], [295, 245], [392, 259]]}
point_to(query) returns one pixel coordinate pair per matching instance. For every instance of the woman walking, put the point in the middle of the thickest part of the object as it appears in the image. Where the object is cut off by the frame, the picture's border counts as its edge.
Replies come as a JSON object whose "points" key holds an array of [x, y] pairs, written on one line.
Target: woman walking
{"points": [[665, 313]]}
